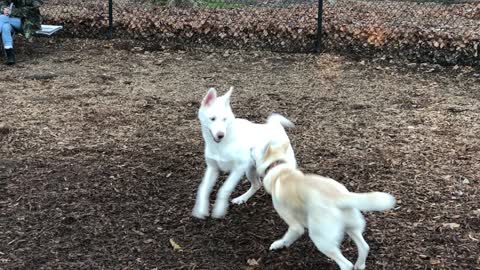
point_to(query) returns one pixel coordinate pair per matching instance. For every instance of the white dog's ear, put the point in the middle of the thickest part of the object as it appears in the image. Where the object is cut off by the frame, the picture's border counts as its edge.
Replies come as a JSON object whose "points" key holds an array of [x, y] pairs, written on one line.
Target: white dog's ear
{"points": [[227, 95], [209, 97]]}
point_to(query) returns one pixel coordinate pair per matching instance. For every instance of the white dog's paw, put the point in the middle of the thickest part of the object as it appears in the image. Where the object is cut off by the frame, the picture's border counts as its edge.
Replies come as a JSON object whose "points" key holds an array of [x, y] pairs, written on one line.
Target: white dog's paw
{"points": [[239, 200], [200, 212], [220, 210], [359, 266], [278, 244]]}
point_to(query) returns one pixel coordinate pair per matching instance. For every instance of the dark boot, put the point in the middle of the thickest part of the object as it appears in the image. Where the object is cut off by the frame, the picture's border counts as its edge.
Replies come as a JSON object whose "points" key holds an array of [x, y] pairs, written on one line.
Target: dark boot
{"points": [[10, 56]]}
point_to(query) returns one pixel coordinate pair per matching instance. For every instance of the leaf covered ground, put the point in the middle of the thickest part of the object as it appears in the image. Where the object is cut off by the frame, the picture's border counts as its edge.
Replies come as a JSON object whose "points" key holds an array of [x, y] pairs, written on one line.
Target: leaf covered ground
{"points": [[101, 155]]}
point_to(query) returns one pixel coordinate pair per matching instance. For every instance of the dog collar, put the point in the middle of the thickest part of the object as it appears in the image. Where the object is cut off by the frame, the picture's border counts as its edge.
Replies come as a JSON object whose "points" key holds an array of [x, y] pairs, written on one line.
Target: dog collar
{"points": [[274, 164]]}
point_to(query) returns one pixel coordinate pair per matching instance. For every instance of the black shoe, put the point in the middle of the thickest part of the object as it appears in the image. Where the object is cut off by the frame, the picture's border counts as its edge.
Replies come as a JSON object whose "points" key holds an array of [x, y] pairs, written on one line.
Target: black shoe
{"points": [[10, 56]]}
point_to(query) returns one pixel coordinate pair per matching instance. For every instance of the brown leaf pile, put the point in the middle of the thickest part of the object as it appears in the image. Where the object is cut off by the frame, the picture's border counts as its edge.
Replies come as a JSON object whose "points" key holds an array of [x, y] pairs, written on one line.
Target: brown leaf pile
{"points": [[87, 20], [280, 29], [420, 31]]}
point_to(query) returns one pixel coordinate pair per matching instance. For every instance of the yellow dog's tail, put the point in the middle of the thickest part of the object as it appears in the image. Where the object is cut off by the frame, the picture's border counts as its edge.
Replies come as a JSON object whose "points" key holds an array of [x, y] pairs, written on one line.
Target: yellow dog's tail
{"points": [[371, 201]]}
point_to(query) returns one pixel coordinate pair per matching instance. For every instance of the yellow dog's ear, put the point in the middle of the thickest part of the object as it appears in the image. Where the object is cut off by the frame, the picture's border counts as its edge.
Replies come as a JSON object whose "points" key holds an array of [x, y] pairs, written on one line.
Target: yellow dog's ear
{"points": [[252, 155], [267, 150], [284, 146], [279, 148]]}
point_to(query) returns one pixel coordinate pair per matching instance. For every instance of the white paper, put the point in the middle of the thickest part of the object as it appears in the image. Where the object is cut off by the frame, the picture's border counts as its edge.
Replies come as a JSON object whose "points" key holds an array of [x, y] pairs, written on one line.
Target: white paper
{"points": [[49, 29]]}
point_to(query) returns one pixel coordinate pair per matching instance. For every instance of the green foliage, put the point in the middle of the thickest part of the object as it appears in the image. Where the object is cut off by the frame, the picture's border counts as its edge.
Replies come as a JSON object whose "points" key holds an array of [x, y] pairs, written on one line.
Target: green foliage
{"points": [[218, 4]]}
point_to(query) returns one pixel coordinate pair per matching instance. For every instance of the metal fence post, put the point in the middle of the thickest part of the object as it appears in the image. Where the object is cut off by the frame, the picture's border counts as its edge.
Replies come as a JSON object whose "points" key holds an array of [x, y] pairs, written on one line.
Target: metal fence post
{"points": [[318, 42], [110, 18]]}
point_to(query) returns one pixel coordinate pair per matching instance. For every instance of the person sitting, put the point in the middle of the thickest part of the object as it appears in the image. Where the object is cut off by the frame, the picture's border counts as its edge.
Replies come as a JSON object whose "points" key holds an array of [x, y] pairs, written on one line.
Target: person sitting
{"points": [[18, 15]]}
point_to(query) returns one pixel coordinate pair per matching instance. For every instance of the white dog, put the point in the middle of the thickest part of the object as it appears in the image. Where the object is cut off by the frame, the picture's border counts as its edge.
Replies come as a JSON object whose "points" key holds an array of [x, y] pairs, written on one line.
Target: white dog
{"points": [[228, 141], [322, 205]]}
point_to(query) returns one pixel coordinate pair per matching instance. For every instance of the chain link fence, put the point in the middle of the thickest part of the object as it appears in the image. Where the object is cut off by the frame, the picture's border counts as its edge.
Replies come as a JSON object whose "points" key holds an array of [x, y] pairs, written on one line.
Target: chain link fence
{"points": [[444, 31], [81, 18]]}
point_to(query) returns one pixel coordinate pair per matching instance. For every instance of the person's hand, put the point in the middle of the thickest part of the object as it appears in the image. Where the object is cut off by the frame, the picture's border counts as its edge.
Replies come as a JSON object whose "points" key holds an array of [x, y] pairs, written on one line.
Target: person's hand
{"points": [[6, 11]]}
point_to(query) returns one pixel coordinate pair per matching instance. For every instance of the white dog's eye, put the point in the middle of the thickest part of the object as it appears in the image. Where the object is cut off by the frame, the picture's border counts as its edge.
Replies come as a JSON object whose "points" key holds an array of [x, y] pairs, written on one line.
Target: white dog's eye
{"points": [[212, 118], [224, 119]]}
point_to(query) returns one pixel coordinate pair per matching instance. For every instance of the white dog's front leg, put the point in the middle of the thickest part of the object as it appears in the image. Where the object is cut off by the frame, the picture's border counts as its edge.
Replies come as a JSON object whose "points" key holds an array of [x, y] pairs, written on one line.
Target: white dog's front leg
{"points": [[255, 186], [221, 204], [290, 236], [200, 210]]}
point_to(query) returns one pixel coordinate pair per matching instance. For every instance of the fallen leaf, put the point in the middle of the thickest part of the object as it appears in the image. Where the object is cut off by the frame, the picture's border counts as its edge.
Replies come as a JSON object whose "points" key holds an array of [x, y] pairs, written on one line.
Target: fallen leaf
{"points": [[451, 225], [252, 262], [148, 241], [473, 238], [176, 247], [138, 232], [423, 256]]}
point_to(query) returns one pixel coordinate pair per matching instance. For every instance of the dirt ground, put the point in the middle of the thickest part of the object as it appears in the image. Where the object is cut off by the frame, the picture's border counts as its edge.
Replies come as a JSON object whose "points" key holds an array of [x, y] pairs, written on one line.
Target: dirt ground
{"points": [[101, 156]]}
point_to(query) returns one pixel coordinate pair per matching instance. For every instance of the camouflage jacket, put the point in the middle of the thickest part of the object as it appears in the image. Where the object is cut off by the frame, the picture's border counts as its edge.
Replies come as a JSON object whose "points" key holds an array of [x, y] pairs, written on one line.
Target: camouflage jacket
{"points": [[28, 11]]}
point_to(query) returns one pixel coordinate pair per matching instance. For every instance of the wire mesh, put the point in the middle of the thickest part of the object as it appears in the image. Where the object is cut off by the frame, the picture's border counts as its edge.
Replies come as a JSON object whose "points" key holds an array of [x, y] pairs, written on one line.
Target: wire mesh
{"points": [[443, 31], [430, 30], [83, 18], [272, 24]]}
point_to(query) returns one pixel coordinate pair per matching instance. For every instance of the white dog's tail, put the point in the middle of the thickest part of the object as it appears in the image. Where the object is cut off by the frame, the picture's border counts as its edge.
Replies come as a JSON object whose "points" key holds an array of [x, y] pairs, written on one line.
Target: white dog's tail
{"points": [[371, 201], [277, 118]]}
